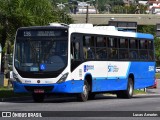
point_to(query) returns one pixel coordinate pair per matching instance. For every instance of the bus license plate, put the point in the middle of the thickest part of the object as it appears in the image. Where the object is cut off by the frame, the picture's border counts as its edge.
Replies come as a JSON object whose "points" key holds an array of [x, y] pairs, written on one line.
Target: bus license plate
{"points": [[38, 91]]}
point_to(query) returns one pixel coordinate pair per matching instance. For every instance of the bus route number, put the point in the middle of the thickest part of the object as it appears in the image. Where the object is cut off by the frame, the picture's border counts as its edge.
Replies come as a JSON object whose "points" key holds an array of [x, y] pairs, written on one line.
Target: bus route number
{"points": [[27, 33], [151, 68]]}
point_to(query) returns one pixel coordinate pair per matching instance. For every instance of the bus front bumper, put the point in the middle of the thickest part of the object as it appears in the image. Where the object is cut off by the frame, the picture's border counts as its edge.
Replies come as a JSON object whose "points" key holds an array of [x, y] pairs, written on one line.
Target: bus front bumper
{"points": [[71, 86]]}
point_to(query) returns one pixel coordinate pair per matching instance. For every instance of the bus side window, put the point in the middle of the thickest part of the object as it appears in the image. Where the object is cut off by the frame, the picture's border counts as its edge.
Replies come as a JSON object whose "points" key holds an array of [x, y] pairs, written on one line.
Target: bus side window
{"points": [[133, 54], [88, 47], [85, 52]]}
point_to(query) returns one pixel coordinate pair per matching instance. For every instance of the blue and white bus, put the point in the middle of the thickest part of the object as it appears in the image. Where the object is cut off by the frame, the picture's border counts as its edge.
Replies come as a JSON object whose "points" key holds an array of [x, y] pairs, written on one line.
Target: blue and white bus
{"points": [[81, 59]]}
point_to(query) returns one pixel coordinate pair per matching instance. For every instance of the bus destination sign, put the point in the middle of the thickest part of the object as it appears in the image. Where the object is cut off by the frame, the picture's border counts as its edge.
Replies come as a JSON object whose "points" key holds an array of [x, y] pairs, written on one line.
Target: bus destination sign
{"points": [[39, 33], [42, 33]]}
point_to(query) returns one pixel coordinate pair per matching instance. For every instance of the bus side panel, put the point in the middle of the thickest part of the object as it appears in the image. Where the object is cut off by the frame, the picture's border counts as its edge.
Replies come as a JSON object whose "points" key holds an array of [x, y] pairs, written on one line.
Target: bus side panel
{"points": [[102, 84], [108, 76], [144, 74]]}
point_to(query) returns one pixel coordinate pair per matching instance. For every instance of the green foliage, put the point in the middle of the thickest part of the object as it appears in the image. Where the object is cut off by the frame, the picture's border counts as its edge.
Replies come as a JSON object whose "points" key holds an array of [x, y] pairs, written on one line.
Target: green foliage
{"points": [[157, 75], [157, 50], [8, 93], [135, 92], [146, 29], [19, 13], [103, 4]]}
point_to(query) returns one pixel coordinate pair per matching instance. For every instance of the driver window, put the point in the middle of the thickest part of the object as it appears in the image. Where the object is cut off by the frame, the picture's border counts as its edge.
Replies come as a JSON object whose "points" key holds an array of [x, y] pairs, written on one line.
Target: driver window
{"points": [[75, 51]]}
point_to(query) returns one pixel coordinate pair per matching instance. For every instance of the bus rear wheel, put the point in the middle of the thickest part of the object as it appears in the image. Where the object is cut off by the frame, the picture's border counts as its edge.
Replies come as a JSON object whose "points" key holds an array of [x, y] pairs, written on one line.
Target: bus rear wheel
{"points": [[128, 93], [84, 95], [38, 97]]}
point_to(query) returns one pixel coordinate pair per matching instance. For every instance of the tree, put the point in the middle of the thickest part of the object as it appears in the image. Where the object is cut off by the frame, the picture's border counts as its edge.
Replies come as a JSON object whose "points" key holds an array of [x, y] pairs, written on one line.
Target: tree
{"points": [[19, 13], [102, 4], [146, 29]]}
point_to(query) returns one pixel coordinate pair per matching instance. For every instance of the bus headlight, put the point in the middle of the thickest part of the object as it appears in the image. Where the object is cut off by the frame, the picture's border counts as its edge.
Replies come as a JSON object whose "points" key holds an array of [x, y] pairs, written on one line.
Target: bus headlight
{"points": [[63, 78], [16, 78]]}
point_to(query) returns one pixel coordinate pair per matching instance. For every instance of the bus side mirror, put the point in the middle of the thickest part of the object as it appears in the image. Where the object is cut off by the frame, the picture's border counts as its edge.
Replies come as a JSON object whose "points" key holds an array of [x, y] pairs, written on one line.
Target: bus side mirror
{"points": [[7, 75], [11, 76]]}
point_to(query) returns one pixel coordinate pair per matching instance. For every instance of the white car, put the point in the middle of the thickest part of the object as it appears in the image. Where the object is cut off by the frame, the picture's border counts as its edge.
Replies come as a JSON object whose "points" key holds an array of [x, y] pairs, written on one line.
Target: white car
{"points": [[157, 69]]}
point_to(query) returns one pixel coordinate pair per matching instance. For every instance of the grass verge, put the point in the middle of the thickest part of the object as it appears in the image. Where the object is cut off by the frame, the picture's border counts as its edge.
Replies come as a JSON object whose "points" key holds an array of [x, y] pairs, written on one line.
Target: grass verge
{"points": [[158, 75], [135, 92], [8, 92]]}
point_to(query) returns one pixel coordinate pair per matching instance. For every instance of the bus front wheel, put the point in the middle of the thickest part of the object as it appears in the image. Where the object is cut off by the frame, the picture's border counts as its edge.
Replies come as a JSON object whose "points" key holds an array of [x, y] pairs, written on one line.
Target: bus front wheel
{"points": [[128, 93], [84, 95], [38, 97]]}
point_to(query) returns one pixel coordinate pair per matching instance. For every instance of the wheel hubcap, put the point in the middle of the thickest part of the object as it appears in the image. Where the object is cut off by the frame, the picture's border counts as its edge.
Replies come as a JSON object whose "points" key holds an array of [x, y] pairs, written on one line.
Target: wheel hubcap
{"points": [[85, 90], [130, 89]]}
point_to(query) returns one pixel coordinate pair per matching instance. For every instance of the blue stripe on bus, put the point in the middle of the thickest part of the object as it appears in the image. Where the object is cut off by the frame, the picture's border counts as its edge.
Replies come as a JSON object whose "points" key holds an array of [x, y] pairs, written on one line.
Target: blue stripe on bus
{"points": [[71, 86], [145, 36]]}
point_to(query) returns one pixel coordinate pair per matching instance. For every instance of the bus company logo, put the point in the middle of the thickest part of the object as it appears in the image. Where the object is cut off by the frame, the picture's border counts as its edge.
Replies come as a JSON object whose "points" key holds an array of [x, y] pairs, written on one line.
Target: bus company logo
{"points": [[88, 67], [6, 114], [112, 68], [20, 114]]}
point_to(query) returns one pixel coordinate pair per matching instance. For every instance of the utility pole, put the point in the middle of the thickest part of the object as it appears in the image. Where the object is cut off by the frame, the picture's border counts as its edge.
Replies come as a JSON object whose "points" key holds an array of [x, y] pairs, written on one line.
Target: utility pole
{"points": [[96, 6], [87, 14]]}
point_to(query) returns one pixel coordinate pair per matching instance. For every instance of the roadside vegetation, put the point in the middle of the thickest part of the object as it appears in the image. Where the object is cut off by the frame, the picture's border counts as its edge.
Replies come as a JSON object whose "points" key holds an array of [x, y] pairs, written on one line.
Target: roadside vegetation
{"points": [[6, 92], [157, 75], [139, 92]]}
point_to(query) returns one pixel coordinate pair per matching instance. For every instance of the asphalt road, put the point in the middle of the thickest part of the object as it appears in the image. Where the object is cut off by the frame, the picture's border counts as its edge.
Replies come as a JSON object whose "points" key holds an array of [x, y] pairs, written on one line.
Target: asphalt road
{"points": [[101, 108], [101, 103]]}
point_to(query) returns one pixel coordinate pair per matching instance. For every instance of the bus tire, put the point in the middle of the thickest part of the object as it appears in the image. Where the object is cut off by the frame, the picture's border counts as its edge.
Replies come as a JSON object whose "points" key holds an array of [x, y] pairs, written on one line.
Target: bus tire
{"points": [[128, 93], [83, 97], [38, 97]]}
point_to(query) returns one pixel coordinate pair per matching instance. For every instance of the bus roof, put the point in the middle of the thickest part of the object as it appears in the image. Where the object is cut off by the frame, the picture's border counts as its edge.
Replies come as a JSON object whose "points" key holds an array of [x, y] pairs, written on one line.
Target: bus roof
{"points": [[88, 28], [50, 26], [107, 30]]}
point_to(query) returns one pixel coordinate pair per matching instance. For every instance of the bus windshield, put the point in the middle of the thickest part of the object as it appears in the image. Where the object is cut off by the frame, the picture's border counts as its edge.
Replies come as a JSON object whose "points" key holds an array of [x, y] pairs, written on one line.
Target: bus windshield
{"points": [[34, 54]]}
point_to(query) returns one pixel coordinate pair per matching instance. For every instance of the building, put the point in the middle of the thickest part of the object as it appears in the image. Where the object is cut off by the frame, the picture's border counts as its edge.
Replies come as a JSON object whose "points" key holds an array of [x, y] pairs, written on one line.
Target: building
{"points": [[82, 8], [142, 2], [154, 6], [129, 2]]}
